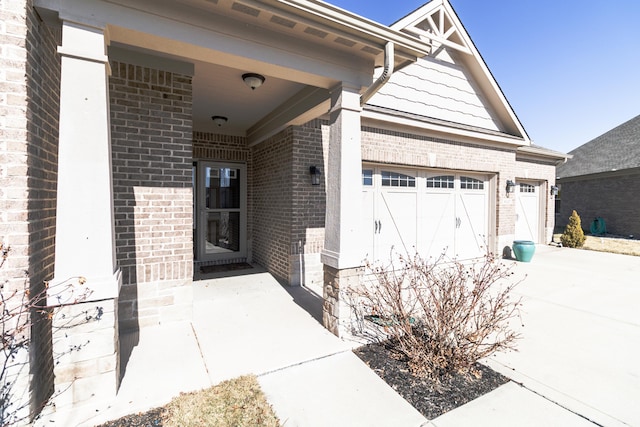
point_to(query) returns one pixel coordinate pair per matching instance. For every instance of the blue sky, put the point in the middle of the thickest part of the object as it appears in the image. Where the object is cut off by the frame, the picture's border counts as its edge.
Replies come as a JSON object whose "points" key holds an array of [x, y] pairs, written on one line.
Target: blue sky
{"points": [[569, 68]]}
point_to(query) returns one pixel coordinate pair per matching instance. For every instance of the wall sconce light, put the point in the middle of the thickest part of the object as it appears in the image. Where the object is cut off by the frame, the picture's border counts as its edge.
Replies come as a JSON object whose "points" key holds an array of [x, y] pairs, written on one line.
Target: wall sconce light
{"points": [[511, 186], [554, 190], [253, 80], [315, 175], [219, 120]]}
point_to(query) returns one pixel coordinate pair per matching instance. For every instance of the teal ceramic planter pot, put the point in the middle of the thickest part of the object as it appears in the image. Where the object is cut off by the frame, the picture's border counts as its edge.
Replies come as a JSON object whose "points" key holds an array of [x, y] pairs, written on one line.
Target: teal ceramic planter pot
{"points": [[524, 250]]}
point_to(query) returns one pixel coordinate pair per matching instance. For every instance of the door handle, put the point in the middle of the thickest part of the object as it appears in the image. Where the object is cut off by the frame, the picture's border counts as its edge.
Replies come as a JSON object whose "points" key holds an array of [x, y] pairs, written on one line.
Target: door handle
{"points": [[379, 226], [375, 227]]}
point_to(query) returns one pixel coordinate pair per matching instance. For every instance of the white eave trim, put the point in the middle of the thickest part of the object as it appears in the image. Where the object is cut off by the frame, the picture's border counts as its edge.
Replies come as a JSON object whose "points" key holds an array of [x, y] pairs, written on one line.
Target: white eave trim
{"points": [[345, 19], [398, 122], [543, 153]]}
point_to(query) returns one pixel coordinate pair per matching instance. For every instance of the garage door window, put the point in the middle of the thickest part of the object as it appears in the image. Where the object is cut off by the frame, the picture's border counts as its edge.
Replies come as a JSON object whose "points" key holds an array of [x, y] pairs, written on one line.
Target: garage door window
{"points": [[527, 188], [394, 179], [467, 183], [442, 181], [367, 177]]}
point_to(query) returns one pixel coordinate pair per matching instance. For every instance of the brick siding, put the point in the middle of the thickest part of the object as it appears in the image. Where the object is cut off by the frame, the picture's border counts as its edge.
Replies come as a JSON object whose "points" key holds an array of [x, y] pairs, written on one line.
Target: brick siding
{"points": [[151, 132], [614, 198], [272, 203], [29, 99], [43, 93], [309, 205]]}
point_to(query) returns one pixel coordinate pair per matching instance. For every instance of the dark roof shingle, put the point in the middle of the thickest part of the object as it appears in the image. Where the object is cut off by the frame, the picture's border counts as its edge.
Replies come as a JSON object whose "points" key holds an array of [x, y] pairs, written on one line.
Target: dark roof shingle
{"points": [[617, 149]]}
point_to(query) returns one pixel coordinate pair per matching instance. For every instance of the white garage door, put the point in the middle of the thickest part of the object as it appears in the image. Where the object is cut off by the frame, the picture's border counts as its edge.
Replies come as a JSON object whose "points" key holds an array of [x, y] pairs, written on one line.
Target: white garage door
{"points": [[456, 215], [409, 211], [528, 211]]}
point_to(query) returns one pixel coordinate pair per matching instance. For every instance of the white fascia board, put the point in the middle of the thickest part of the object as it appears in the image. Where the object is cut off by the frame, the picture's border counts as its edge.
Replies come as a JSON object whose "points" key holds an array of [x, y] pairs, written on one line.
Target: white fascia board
{"points": [[434, 129], [542, 153], [343, 18]]}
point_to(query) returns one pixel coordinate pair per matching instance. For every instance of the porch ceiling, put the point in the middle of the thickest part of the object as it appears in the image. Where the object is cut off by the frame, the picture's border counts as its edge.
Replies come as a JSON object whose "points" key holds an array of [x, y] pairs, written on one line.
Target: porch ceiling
{"points": [[298, 45]]}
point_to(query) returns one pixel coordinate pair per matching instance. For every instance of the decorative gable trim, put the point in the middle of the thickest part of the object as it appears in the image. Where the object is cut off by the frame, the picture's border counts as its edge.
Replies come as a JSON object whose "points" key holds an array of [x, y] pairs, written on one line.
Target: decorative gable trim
{"points": [[435, 25]]}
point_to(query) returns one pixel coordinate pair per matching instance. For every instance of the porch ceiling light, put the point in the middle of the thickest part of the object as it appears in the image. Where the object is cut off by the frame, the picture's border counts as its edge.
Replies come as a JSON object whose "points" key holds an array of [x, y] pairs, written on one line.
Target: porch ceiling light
{"points": [[219, 120], [253, 80], [511, 186]]}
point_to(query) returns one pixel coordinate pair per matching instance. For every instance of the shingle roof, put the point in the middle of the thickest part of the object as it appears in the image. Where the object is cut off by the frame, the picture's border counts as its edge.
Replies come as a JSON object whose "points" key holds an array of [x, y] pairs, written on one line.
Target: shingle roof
{"points": [[615, 150]]}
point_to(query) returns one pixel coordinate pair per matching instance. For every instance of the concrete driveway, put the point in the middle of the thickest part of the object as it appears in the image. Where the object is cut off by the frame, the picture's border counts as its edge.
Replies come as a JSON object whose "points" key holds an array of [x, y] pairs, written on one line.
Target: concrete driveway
{"points": [[581, 334]]}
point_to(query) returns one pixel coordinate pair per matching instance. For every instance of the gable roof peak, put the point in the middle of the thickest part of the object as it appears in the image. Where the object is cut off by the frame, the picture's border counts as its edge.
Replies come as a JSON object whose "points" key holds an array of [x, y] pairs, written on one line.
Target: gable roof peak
{"points": [[436, 23]]}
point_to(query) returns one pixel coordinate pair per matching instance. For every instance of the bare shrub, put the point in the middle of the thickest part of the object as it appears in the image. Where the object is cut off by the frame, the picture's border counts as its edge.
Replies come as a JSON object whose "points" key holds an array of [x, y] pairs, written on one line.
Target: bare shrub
{"points": [[441, 315], [20, 311]]}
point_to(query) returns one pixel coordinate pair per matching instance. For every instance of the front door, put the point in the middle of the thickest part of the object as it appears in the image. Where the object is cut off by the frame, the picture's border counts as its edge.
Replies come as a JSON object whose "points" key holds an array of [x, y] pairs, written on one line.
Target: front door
{"points": [[221, 211]]}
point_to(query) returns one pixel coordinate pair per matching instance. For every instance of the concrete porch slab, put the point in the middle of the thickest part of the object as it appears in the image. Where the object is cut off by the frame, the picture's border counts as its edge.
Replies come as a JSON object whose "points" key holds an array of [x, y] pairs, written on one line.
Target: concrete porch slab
{"points": [[251, 324]]}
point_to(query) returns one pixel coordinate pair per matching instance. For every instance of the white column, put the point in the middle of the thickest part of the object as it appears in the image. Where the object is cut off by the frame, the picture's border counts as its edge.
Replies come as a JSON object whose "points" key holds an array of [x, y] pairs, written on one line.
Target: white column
{"points": [[85, 238], [343, 231], [87, 330]]}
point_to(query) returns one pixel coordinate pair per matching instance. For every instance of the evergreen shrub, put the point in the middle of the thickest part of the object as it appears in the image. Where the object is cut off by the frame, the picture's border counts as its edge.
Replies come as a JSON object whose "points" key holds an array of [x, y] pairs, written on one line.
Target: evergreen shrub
{"points": [[573, 236]]}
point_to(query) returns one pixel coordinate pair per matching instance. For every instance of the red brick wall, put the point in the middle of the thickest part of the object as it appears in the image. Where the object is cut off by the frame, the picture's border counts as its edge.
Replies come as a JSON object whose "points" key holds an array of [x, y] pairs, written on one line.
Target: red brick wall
{"points": [[151, 132]]}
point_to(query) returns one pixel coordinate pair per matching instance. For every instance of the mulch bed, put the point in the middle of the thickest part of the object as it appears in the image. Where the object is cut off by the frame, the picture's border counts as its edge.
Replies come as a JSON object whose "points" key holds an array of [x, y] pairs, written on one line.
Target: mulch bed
{"points": [[428, 397], [151, 418], [431, 399]]}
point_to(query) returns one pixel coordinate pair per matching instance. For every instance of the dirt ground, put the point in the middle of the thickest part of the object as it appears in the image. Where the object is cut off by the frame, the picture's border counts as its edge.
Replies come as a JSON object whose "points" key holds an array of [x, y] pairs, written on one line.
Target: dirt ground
{"points": [[609, 243]]}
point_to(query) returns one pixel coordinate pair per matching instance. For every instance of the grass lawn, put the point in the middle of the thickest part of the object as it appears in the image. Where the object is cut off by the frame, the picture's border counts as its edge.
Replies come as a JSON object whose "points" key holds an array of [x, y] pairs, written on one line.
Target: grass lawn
{"points": [[234, 403]]}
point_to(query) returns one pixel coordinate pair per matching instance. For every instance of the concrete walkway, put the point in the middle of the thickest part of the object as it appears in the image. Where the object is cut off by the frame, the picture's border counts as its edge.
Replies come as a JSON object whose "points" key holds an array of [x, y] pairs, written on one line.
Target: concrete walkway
{"points": [[575, 367]]}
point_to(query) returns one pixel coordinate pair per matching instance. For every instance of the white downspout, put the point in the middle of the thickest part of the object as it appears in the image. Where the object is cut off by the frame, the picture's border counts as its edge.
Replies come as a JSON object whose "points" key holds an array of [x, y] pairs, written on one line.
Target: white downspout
{"points": [[384, 77]]}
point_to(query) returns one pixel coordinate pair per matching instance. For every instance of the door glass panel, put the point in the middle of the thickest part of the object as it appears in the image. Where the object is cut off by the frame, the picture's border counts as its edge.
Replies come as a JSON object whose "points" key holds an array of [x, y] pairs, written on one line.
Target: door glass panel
{"points": [[222, 187], [223, 232]]}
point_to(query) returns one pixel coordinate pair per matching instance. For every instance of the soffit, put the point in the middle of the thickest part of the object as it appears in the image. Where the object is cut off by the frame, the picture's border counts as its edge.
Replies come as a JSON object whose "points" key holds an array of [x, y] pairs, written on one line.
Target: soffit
{"points": [[313, 23]]}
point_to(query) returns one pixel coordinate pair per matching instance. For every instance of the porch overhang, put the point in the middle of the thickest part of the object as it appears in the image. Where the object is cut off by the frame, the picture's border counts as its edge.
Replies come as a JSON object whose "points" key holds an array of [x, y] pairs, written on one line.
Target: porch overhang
{"points": [[305, 47]]}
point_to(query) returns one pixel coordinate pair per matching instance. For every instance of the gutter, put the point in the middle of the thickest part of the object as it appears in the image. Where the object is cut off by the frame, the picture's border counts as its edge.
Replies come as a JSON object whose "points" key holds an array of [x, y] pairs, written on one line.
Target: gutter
{"points": [[389, 58]]}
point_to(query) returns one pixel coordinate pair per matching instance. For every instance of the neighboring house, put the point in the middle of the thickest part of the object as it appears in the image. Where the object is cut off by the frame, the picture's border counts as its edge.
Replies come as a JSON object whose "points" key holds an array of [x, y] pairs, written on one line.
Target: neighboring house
{"points": [[602, 180], [136, 152]]}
